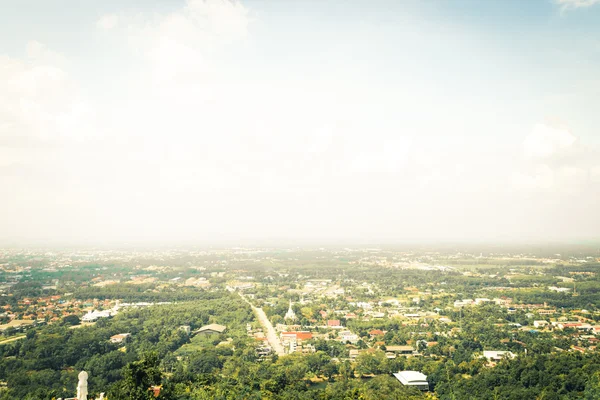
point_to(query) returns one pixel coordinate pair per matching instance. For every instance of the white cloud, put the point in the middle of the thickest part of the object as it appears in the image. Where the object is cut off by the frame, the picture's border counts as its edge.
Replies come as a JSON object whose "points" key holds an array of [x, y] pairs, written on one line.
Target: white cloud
{"points": [[568, 4], [108, 22], [225, 18], [547, 141], [553, 159], [181, 45], [40, 54], [34, 94], [595, 174], [539, 177], [201, 132], [42, 118]]}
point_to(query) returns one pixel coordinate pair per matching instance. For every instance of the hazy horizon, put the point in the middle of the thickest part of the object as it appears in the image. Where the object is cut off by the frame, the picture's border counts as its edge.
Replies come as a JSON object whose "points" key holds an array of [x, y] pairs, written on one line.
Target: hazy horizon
{"points": [[254, 121]]}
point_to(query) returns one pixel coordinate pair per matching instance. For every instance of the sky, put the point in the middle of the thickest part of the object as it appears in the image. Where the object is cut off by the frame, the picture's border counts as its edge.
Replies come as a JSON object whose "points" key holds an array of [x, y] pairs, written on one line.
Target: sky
{"points": [[213, 121]]}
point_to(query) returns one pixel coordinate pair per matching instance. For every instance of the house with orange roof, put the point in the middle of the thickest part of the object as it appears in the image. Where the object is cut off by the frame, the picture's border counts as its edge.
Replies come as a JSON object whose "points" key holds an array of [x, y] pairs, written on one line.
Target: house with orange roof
{"points": [[376, 332]]}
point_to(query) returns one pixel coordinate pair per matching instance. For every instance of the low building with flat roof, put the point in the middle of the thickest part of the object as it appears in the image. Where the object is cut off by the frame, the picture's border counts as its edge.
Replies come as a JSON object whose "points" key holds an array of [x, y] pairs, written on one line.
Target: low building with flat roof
{"points": [[406, 350], [119, 338], [413, 378], [211, 329], [497, 355]]}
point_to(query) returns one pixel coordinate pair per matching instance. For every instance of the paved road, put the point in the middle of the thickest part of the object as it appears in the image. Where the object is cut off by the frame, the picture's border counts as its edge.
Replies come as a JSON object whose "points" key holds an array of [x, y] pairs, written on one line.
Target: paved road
{"points": [[267, 327]]}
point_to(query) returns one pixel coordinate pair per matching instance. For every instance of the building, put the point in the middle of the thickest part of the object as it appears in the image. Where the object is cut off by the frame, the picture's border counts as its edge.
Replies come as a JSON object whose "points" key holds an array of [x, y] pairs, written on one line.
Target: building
{"points": [[211, 329], [540, 324], [263, 351], [293, 340], [413, 378], [574, 325], [558, 289], [497, 355], [290, 314], [301, 335], [503, 301], [92, 316], [404, 350], [185, 328], [462, 303], [376, 332], [347, 336], [287, 328], [546, 312], [119, 338]]}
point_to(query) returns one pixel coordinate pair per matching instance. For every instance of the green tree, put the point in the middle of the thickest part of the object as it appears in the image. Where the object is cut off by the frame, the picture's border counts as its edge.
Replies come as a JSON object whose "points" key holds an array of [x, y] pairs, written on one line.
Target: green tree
{"points": [[71, 320], [138, 377]]}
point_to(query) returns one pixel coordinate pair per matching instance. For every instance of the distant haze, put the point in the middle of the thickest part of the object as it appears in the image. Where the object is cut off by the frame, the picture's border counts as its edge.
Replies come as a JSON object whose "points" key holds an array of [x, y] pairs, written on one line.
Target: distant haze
{"points": [[255, 121]]}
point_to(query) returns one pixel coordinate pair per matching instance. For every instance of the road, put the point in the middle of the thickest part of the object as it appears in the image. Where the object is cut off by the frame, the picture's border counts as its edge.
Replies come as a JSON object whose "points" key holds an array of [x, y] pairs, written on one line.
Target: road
{"points": [[12, 339], [267, 327]]}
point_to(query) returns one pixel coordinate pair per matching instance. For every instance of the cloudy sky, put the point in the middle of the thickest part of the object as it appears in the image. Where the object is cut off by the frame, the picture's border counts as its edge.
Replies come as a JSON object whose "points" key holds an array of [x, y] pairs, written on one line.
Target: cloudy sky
{"points": [[312, 121]]}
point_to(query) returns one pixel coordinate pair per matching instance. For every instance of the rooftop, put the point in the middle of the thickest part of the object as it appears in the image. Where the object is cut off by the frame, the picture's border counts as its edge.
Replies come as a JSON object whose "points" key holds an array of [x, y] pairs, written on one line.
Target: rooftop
{"points": [[412, 378], [212, 327]]}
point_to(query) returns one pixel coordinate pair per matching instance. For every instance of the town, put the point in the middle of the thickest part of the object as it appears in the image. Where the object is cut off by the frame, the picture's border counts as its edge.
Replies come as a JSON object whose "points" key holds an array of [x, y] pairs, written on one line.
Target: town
{"points": [[300, 200], [417, 317]]}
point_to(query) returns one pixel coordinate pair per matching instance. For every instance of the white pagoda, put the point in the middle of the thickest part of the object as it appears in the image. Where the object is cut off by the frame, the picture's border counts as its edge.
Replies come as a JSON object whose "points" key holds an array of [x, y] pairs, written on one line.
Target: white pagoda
{"points": [[290, 314]]}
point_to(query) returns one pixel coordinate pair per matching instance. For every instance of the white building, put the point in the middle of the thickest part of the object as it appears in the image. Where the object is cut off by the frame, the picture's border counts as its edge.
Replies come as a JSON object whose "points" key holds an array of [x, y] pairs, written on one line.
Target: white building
{"points": [[347, 336], [290, 313], [413, 378], [462, 303], [119, 338], [558, 289], [92, 316], [497, 355], [540, 324], [186, 328]]}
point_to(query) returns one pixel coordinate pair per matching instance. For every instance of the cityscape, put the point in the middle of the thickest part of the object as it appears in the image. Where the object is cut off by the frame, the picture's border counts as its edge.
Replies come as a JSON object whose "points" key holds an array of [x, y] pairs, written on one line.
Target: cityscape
{"points": [[308, 321], [300, 200]]}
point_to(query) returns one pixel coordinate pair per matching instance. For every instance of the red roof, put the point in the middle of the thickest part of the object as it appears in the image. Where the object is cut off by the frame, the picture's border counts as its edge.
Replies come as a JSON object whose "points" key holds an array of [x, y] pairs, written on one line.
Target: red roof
{"points": [[299, 335], [333, 322], [155, 390], [376, 332]]}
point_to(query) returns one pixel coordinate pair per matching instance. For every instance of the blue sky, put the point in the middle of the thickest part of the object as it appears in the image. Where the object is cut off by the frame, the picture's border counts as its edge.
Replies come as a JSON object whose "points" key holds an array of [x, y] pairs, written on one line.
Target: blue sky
{"points": [[359, 121]]}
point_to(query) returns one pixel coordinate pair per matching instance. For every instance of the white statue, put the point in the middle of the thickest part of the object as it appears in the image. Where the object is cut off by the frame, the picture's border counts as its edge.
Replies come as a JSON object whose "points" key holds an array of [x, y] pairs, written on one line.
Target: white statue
{"points": [[82, 386]]}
